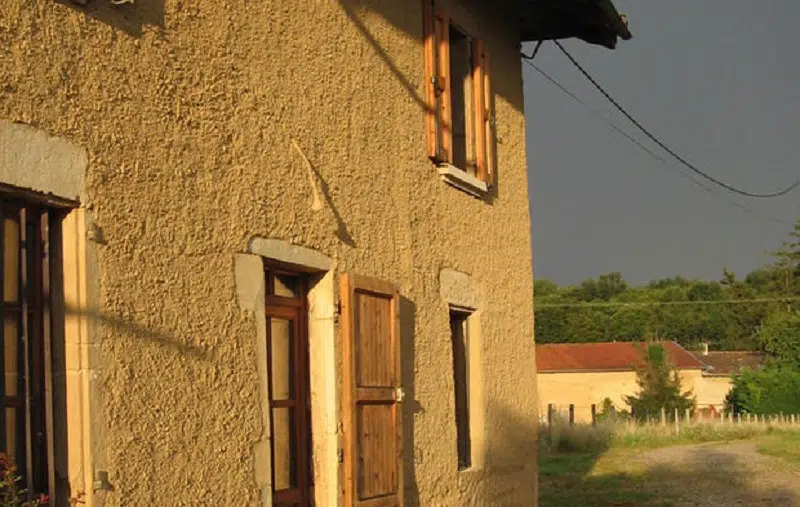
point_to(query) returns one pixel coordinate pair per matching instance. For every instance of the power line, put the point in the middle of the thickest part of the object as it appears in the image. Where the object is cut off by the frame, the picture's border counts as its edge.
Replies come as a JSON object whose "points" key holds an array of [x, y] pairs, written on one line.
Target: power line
{"points": [[665, 303], [664, 146], [647, 150]]}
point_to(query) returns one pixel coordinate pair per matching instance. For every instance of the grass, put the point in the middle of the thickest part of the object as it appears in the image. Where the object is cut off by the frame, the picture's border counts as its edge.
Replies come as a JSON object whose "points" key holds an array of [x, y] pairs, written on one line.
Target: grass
{"points": [[784, 446], [621, 434], [597, 466]]}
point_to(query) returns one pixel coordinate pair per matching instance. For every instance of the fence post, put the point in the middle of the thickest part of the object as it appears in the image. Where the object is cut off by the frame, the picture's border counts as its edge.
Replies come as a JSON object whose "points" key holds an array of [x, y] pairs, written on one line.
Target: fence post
{"points": [[677, 422], [594, 414], [739, 418], [688, 416], [571, 414], [792, 419], [663, 416], [550, 423]]}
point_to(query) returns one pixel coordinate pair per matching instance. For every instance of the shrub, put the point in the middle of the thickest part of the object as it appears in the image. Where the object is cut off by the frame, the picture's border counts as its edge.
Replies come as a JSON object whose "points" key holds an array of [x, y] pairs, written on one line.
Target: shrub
{"points": [[10, 493], [774, 390]]}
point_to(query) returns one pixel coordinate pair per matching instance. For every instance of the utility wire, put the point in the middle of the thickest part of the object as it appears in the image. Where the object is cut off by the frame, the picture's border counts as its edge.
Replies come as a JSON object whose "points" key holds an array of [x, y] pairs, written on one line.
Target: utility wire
{"points": [[664, 146], [647, 150], [666, 303]]}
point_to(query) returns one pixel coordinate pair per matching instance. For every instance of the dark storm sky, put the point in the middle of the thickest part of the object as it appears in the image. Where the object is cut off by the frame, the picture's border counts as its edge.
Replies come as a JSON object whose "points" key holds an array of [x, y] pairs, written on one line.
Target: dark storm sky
{"points": [[719, 82]]}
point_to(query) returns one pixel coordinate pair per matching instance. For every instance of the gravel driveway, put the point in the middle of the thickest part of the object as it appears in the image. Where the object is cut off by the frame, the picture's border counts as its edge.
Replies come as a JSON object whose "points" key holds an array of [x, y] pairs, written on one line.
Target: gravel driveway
{"points": [[732, 474]]}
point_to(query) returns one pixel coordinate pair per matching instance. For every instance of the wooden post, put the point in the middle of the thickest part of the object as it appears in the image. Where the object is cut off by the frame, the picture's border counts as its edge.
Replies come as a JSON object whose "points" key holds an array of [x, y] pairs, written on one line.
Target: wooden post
{"points": [[739, 418], [571, 414], [688, 416], [550, 423], [594, 414], [792, 419], [663, 416], [677, 422]]}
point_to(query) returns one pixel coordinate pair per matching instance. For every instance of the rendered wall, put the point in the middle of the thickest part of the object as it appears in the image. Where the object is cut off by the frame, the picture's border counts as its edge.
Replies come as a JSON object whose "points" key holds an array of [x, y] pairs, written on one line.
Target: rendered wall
{"points": [[187, 111]]}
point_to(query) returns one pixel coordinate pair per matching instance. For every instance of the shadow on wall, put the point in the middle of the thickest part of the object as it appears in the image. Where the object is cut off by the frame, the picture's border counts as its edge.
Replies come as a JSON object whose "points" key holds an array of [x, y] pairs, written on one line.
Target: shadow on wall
{"points": [[704, 475], [411, 406], [510, 475], [133, 18], [159, 338]]}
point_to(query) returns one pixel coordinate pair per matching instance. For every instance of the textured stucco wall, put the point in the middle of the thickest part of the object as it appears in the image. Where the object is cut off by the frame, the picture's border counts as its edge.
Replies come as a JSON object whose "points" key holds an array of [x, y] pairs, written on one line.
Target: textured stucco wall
{"points": [[186, 111], [585, 389]]}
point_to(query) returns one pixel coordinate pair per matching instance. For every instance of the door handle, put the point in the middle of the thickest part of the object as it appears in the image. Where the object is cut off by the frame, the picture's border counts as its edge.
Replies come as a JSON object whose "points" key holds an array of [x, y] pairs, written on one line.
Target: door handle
{"points": [[399, 394]]}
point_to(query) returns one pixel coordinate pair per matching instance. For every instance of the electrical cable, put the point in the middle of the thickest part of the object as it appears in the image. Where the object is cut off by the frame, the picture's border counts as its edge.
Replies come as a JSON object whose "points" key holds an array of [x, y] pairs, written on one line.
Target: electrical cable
{"points": [[647, 150], [675, 155]]}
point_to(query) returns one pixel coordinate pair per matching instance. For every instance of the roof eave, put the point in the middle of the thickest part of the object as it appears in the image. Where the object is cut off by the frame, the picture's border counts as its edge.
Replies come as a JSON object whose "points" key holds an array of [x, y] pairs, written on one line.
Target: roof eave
{"points": [[593, 21]]}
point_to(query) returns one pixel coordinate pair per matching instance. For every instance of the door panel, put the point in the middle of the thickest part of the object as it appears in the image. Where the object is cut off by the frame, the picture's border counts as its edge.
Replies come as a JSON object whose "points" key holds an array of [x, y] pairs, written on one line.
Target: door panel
{"points": [[371, 408]]}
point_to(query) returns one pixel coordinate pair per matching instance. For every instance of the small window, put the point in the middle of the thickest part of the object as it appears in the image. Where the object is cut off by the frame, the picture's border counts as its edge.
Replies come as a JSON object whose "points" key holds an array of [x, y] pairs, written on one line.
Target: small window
{"points": [[459, 333], [458, 97]]}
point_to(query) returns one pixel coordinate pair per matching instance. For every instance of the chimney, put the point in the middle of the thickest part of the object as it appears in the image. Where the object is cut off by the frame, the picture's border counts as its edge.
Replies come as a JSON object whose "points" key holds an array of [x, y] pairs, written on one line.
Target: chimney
{"points": [[705, 348]]}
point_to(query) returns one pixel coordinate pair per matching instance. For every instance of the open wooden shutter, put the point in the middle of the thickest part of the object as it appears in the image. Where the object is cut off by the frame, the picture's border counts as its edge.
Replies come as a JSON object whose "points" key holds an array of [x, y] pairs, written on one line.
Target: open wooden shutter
{"points": [[371, 393], [479, 106], [437, 85], [484, 115], [431, 80]]}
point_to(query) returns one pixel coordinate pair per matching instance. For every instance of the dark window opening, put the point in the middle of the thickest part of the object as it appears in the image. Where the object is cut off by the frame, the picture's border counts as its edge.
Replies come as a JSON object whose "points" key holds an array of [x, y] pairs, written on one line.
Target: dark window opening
{"points": [[459, 331], [461, 68], [30, 355]]}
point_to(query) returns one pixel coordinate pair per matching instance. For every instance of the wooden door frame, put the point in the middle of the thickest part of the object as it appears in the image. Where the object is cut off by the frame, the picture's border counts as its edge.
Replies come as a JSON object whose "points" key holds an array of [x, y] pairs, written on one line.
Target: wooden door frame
{"points": [[295, 310]]}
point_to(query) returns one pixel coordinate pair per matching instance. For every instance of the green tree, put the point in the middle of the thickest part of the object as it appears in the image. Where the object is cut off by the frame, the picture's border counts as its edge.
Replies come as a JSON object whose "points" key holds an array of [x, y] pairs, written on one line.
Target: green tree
{"points": [[773, 390], [780, 337], [659, 386]]}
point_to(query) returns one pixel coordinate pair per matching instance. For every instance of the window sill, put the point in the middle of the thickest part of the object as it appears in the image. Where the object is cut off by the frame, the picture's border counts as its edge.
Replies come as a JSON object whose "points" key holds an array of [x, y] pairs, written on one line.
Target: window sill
{"points": [[462, 180]]}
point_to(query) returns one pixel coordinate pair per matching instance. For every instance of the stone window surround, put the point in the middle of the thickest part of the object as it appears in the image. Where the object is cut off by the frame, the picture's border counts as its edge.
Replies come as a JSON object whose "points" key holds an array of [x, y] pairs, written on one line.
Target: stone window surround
{"points": [[461, 293], [55, 169], [323, 354]]}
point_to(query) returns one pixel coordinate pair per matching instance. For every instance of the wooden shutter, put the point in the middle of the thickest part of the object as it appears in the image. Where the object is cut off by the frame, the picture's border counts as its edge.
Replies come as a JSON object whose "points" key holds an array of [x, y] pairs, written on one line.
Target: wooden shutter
{"points": [[431, 80], [484, 114], [371, 393], [436, 25], [479, 108], [444, 111]]}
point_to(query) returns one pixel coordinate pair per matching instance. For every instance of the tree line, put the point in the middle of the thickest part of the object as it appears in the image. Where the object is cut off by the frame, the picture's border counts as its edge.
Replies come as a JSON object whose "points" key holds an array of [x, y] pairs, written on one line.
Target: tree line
{"points": [[730, 313]]}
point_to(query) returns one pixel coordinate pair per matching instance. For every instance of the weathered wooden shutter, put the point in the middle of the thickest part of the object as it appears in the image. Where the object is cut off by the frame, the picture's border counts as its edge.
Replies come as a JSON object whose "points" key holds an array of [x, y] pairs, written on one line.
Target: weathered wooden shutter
{"points": [[437, 83], [371, 393], [484, 114], [431, 80]]}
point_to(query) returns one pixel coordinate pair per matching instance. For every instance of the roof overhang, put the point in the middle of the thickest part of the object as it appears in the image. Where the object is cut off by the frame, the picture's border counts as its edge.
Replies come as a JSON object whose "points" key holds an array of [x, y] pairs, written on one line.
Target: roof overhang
{"points": [[593, 21]]}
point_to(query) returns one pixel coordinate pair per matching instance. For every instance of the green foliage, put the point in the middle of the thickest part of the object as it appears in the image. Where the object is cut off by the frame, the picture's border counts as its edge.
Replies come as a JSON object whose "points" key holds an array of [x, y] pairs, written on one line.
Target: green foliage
{"points": [[659, 387], [11, 495], [608, 309], [780, 337], [773, 390]]}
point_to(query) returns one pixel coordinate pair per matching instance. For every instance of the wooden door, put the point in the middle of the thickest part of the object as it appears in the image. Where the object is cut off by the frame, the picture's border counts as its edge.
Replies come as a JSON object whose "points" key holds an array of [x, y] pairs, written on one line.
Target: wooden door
{"points": [[371, 393]]}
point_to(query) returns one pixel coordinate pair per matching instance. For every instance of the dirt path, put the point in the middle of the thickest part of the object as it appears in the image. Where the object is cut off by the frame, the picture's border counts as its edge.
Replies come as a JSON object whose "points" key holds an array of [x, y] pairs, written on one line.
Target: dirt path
{"points": [[732, 474]]}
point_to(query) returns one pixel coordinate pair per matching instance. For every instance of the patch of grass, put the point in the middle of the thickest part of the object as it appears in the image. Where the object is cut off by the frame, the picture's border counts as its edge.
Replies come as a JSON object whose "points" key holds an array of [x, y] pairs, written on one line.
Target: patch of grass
{"points": [[565, 481], [627, 435], [784, 445]]}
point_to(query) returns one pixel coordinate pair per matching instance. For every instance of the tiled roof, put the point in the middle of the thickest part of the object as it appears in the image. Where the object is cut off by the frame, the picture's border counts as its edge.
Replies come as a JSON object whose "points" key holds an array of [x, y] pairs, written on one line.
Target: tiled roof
{"points": [[620, 356], [730, 362]]}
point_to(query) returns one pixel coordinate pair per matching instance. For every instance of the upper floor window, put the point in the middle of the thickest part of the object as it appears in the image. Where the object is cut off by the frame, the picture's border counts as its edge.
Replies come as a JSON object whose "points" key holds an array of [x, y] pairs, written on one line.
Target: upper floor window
{"points": [[458, 96]]}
